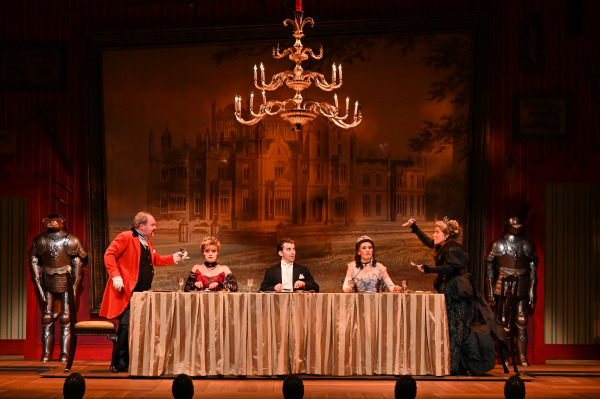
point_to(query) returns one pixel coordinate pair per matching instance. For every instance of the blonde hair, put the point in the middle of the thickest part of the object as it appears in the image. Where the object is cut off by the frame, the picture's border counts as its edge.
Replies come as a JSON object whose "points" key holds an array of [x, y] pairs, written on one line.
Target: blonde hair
{"points": [[210, 241], [449, 227]]}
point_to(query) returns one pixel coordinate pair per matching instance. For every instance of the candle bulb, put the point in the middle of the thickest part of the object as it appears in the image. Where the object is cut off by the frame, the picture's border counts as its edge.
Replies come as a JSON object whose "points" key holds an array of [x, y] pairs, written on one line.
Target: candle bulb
{"points": [[255, 75], [336, 100], [347, 105], [236, 104], [264, 97], [262, 72], [355, 108], [251, 100], [340, 68], [333, 73]]}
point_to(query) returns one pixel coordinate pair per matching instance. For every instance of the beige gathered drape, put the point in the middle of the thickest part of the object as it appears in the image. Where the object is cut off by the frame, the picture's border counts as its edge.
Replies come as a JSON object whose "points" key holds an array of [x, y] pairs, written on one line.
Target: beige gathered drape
{"points": [[205, 334]]}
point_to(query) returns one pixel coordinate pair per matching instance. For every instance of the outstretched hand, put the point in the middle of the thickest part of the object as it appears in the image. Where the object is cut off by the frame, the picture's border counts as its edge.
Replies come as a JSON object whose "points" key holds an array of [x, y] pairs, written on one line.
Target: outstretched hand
{"points": [[409, 222], [420, 267], [180, 256]]}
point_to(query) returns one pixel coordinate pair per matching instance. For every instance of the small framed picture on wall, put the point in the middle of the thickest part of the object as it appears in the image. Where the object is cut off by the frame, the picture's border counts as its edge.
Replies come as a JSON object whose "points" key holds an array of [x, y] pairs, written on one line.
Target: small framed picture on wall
{"points": [[541, 115]]}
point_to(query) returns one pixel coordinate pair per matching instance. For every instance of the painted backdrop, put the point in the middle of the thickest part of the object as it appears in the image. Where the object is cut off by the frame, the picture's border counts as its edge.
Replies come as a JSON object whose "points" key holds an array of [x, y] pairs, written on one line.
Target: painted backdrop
{"points": [[174, 148]]}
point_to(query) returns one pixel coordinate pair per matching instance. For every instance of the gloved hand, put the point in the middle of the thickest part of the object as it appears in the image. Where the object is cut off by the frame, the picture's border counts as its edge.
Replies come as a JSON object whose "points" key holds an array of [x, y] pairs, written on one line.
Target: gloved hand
{"points": [[180, 256], [117, 283]]}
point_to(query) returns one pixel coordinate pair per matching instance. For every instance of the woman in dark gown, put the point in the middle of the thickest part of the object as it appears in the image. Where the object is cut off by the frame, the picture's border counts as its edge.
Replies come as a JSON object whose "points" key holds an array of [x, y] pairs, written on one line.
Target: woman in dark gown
{"points": [[211, 275], [451, 261]]}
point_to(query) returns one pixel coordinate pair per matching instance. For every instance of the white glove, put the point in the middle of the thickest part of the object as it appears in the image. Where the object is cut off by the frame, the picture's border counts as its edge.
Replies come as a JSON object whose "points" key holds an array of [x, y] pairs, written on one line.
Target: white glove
{"points": [[180, 256], [117, 283]]}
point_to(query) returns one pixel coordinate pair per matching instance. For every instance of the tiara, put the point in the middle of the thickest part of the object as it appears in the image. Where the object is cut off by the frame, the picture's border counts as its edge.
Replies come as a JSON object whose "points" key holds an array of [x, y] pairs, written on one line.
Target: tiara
{"points": [[209, 238], [364, 238], [452, 226]]}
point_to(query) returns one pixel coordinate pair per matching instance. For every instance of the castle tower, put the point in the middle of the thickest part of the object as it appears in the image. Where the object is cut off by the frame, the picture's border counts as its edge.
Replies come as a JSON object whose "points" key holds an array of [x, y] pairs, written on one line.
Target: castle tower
{"points": [[165, 139]]}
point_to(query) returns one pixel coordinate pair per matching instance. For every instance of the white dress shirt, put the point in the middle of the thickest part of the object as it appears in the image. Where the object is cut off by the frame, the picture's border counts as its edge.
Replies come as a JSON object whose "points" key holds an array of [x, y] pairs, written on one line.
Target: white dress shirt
{"points": [[287, 275]]}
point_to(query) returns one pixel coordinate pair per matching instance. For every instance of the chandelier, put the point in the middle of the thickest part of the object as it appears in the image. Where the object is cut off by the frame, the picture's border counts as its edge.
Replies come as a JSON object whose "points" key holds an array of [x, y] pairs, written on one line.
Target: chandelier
{"points": [[297, 110]]}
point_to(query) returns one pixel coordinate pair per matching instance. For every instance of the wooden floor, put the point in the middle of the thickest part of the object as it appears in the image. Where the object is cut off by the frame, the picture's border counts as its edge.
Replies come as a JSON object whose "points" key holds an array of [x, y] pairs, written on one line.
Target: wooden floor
{"points": [[27, 379]]}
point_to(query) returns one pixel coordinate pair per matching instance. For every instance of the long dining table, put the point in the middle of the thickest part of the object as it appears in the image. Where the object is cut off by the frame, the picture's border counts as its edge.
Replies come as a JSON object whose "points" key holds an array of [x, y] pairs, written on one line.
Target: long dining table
{"points": [[263, 334]]}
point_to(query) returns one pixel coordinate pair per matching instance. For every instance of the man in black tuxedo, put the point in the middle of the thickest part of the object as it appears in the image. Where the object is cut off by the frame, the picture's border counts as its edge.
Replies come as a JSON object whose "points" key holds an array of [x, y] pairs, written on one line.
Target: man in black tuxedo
{"points": [[287, 275]]}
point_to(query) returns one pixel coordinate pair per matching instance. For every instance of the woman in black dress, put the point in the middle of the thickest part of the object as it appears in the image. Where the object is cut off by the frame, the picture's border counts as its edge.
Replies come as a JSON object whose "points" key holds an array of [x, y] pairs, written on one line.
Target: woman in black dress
{"points": [[451, 261]]}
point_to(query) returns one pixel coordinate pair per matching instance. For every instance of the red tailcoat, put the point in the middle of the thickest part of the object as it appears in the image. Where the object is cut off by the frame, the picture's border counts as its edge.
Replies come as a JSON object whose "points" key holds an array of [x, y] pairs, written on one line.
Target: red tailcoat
{"points": [[122, 258]]}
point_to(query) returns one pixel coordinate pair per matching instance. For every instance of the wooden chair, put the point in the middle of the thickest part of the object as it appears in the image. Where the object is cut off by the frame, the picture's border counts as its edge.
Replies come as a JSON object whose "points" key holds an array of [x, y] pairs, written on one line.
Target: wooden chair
{"points": [[88, 328], [92, 328]]}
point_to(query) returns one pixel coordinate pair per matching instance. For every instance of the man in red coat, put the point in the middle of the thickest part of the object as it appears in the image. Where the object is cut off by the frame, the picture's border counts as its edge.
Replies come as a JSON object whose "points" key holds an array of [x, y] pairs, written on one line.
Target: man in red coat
{"points": [[130, 261]]}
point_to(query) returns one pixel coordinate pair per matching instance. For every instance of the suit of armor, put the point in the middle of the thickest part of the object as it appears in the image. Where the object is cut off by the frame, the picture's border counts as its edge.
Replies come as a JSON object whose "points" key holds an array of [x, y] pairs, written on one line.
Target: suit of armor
{"points": [[52, 256], [512, 254]]}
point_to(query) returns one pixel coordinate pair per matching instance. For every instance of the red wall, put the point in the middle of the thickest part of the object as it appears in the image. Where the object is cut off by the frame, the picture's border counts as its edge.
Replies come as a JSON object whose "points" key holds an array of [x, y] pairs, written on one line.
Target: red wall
{"points": [[571, 63]]}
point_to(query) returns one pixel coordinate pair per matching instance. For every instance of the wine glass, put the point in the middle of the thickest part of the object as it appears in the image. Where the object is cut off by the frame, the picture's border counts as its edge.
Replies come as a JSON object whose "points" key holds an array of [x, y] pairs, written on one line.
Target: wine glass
{"points": [[184, 254], [250, 283], [404, 286], [352, 284], [181, 282]]}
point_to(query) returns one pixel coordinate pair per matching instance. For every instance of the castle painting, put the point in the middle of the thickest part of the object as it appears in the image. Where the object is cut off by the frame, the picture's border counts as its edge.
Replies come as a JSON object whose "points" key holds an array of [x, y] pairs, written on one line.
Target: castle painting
{"points": [[200, 172], [242, 179]]}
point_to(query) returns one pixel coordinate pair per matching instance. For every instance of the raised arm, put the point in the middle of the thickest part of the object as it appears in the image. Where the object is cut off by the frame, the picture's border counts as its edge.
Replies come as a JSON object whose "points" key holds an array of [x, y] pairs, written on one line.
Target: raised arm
{"points": [[425, 239]]}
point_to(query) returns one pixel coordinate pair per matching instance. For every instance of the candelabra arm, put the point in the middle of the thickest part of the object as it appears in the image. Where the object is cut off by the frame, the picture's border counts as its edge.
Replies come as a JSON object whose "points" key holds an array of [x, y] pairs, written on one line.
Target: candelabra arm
{"points": [[340, 122], [277, 54], [274, 107], [311, 52], [327, 110], [321, 82], [276, 81], [253, 121]]}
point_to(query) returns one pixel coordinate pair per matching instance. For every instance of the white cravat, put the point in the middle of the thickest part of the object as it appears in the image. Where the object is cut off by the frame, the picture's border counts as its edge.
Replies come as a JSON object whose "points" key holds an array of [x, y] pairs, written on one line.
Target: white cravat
{"points": [[287, 275]]}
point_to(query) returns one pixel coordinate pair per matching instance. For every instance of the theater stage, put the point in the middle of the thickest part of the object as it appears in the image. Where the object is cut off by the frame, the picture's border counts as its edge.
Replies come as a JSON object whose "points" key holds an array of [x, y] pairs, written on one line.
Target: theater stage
{"points": [[28, 379]]}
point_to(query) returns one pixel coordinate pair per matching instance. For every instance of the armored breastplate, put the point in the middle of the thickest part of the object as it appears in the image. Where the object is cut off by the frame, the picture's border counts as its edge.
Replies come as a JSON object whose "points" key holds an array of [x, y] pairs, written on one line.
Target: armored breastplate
{"points": [[515, 259], [51, 250], [517, 253]]}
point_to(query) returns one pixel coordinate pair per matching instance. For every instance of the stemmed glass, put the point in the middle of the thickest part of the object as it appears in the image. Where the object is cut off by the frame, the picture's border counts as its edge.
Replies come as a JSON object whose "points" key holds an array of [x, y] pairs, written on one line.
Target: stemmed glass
{"points": [[404, 286], [181, 282], [250, 283], [352, 284]]}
